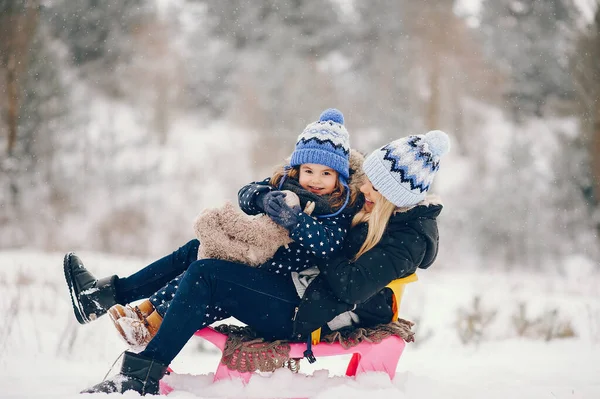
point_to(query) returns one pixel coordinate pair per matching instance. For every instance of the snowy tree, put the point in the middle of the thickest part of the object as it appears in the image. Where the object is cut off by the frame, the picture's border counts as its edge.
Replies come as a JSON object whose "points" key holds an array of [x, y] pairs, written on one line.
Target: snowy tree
{"points": [[95, 30], [382, 68], [36, 174], [18, 24], [529, 42], [268, 63]]}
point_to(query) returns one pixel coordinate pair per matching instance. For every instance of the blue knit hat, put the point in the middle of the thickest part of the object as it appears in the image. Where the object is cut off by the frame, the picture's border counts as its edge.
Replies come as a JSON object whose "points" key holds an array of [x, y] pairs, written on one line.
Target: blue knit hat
{"points": [[403, 170], [325, 142]]}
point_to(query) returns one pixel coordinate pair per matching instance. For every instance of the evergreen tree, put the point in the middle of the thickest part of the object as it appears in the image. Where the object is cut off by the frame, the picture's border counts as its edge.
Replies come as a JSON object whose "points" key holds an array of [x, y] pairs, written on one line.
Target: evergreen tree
{"points": [[37, 190], [95, 30], [529, 42]]}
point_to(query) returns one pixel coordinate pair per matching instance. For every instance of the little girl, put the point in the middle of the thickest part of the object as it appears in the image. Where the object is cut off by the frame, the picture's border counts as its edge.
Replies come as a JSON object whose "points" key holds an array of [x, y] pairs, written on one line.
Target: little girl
{"points": [[318, 171]]}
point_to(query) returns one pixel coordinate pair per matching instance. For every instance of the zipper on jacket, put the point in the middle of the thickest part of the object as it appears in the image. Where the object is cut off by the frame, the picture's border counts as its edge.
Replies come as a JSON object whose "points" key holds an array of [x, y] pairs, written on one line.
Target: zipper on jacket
{"points": [[294, 335]]}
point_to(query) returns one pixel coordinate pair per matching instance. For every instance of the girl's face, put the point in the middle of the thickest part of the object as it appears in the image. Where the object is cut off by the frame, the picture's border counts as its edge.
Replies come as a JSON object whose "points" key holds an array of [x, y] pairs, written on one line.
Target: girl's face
{"points": [[318, 179], [371, 195]]}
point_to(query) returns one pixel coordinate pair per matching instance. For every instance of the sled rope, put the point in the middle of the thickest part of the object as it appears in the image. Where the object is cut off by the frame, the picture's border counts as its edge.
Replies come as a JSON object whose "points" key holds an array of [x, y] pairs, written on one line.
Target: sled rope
{"points": [[113, 365]]}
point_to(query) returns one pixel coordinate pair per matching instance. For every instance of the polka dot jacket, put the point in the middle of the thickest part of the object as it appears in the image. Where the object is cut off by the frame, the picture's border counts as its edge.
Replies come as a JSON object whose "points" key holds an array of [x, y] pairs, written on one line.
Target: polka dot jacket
{"points": [[314, 238]]}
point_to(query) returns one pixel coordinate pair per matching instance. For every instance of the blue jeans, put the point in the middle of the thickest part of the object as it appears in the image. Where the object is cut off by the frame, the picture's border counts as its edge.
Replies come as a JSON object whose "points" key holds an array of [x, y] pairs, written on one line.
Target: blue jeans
{"points": [[152, 278], [264, 301]]}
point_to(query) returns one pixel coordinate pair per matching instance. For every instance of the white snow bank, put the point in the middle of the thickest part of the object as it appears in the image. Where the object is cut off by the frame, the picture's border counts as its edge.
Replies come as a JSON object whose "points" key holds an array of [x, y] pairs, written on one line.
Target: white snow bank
{"points": [[44, 353]]}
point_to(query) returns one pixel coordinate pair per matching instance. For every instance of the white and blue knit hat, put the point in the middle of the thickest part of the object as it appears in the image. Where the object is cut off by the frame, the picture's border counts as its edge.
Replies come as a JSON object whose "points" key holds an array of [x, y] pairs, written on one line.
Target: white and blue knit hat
{"points": [[403, 170], [325, 142]]}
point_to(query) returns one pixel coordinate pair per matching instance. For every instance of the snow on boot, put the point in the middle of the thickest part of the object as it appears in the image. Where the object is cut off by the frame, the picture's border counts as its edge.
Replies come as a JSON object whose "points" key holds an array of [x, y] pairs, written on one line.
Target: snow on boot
{"points": [[118, 311], [91, 297], [138, 373], [139, 312], [137, 333]]}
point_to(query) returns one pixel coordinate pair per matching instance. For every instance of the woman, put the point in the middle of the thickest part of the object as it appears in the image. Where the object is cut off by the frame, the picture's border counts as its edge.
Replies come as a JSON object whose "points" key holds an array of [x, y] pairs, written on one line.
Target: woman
{"points": [[394, 234]]}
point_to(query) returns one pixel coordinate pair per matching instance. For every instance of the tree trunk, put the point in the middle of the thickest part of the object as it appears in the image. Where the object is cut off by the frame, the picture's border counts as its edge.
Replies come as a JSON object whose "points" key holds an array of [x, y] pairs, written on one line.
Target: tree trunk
{"points": [[595, 152], [595, 144], [13, 103], [18, 30]]}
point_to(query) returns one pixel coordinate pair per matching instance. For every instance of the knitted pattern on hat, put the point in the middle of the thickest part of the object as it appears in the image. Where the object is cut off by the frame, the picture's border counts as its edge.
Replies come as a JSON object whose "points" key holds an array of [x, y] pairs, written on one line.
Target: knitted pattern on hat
{"points": [[403, 170], [324, 142]]}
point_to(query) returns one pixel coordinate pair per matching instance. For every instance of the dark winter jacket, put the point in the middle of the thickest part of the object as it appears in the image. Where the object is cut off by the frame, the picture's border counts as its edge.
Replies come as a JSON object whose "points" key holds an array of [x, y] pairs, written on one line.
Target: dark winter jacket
{"points": [[410, 241]]}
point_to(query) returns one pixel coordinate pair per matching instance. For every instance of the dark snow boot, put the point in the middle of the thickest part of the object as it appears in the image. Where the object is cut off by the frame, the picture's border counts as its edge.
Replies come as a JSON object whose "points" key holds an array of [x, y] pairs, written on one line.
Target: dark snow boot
{"points": [[138, 374], [91, 298]]}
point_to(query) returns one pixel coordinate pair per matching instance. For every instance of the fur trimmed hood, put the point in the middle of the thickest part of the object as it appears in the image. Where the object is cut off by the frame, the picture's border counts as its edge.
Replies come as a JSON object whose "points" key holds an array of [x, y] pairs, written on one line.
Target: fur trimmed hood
{"points": [[357, 175]]}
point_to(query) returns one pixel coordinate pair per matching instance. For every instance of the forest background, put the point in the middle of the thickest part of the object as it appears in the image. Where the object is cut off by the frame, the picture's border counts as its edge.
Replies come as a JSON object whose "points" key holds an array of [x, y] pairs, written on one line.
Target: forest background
{"points": [[121, 120]]}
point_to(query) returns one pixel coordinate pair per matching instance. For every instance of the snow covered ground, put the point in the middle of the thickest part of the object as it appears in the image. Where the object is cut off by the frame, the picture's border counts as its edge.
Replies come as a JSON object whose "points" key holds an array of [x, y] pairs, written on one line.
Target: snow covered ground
{"points": [[44, 353]]}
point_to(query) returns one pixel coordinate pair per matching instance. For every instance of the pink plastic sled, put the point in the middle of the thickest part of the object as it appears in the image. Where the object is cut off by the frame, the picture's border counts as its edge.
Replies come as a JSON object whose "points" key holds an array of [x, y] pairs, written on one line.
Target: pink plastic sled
{"points": [[366, 356]]}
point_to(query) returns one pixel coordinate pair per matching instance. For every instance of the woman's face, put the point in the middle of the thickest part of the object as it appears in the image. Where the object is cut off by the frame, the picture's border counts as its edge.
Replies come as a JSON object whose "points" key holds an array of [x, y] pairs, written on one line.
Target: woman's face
{"points": [[317, 179], [371, 195]]}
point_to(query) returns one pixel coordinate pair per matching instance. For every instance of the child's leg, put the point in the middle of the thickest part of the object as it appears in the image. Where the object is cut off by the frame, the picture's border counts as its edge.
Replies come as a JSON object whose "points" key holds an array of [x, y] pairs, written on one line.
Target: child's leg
{"points": [[162, 298], [263, 300], [138, 324], [155, 276], [92, 297]]}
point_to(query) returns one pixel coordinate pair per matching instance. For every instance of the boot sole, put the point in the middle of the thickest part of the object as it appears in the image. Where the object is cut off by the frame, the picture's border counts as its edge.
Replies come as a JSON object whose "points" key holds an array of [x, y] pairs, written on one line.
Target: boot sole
{"points": [[79, 314]]}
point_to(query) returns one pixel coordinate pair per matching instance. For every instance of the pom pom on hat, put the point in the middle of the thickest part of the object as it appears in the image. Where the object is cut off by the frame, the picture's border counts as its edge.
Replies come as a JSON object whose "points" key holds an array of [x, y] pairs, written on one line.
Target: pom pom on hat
{"points": [[438, 143], [333, 115]]}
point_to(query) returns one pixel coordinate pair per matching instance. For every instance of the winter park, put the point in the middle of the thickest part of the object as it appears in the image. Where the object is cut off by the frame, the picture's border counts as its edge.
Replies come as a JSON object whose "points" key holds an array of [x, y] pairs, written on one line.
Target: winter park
{"points": [[348, 198]]}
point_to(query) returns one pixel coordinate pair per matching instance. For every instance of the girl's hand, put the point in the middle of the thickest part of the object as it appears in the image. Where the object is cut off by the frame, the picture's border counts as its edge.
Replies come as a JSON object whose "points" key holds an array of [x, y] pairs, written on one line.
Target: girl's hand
{"points": [[310, 207], [264, 199], [281, 213]]}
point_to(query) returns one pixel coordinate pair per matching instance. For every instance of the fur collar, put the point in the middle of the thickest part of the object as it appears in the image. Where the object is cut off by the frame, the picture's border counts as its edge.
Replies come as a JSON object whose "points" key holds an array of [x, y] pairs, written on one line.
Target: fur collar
{"points": [[430, 199], [357, 174]]}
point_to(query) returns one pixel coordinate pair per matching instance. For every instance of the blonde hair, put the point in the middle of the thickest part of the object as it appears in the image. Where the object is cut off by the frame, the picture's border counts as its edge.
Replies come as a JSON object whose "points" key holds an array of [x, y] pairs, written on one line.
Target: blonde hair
{"points": [[338, 196], [377, 220]]}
